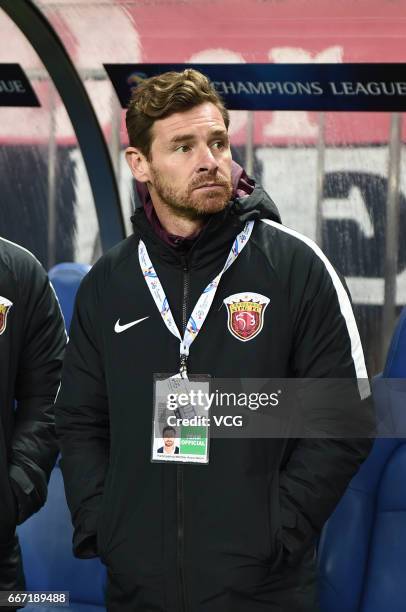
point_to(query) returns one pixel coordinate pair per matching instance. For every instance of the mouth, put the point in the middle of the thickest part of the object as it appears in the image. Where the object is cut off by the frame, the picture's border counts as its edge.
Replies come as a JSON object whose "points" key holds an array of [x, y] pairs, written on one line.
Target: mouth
{"points": [[210, 186]]}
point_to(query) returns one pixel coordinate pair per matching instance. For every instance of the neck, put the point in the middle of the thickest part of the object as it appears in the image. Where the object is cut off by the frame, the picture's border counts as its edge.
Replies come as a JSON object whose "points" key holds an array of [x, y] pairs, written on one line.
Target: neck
{"points": [[173, 224]]}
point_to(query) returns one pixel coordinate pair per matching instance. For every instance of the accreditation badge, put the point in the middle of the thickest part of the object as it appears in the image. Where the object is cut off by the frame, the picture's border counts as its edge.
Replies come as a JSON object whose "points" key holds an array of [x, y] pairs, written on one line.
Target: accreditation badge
{"points": [[181, 419]]}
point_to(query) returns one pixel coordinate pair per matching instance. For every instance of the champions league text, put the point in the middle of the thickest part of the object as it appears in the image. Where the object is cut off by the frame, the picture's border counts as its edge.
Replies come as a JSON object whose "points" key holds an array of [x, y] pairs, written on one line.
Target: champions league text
{"points": [[312, 88]]}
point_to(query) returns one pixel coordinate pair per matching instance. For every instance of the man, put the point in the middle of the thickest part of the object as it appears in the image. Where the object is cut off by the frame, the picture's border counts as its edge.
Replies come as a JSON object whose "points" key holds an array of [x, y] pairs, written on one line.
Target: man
{"points": [[32, 340], [238, 533], [168, 437]]}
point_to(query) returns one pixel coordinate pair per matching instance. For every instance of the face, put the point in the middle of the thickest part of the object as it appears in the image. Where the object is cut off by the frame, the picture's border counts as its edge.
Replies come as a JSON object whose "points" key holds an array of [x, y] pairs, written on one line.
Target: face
{"points": [[189, 169], [169, 438]]}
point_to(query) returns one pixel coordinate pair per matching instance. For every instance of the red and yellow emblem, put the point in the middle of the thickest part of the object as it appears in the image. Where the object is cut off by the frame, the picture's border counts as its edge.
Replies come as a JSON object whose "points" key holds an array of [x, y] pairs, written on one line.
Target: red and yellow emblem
{"points": [[5, 306], [246, 314]]}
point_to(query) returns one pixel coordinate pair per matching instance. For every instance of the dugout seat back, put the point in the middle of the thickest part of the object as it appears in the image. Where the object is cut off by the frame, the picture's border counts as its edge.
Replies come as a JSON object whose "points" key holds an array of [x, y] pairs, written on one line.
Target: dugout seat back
{"points": [[66, 278], [49, 565], [362, 549], [46, 538], [395, 366]]}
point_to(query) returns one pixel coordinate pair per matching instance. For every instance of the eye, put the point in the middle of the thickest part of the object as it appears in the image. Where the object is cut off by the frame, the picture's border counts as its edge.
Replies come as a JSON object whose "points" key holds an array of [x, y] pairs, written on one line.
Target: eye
{"points": [[183, 148], [219, 144]]}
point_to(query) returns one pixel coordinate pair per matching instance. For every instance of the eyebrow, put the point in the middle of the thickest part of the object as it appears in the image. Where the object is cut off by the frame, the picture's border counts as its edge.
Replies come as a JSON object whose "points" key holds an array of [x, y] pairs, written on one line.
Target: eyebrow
{"points": [[191, 137]]}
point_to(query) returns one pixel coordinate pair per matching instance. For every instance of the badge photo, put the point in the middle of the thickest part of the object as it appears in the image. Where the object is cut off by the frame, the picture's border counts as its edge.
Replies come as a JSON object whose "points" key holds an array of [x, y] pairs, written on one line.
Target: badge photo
{"points": [[180, 427], [245, 313], [5, 306]]}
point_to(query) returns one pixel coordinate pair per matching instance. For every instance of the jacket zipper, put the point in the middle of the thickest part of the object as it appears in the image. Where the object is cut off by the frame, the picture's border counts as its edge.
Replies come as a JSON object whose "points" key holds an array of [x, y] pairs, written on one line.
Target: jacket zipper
{"points": [[179, 473], [181, 574]]}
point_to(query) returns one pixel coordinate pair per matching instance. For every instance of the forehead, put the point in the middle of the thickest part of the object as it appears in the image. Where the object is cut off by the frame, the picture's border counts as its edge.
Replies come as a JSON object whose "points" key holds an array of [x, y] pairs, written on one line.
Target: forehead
{"points": [[199, 119]]}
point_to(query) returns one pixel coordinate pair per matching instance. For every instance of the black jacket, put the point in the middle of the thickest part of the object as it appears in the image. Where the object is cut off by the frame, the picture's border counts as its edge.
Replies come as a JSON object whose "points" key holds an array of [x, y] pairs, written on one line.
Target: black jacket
{"points": [[32, 340], [222, 536]]}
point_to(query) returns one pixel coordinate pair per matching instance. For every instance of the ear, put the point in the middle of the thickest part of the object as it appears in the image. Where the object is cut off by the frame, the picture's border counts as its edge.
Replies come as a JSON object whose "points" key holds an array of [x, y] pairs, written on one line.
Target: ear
{"points": [[138, 164]]}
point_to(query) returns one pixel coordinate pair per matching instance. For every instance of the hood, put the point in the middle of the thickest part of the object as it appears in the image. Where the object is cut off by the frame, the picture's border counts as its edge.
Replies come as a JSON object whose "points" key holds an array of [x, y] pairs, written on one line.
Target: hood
{"points": [[249, 201]]}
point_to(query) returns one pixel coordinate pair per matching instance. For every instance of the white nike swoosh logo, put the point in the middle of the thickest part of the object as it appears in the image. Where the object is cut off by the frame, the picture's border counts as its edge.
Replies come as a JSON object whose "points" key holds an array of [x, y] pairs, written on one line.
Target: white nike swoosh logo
{"points": [[120, 328]]}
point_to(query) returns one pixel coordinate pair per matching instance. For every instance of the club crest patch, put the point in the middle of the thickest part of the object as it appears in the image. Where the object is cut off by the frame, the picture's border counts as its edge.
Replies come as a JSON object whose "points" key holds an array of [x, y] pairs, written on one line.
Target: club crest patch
{"points": [[5, 306], [246, 314]]}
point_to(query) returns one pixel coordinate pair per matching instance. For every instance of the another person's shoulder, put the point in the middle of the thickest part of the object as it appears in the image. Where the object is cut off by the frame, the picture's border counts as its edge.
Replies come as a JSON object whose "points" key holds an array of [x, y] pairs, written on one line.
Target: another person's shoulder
{"points": [[20, 262]]}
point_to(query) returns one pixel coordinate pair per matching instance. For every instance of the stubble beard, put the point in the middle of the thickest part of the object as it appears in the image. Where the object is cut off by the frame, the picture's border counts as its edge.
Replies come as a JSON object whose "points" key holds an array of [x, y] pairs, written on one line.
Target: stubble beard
{"points": [[189, 204]]}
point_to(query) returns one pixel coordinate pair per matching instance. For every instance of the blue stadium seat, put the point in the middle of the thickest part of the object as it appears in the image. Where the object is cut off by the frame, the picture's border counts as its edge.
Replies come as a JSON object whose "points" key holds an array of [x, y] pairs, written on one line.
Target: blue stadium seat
{"points": [[395, 366], [49, 565], [362, 549], [46, 538], [65, 278]]}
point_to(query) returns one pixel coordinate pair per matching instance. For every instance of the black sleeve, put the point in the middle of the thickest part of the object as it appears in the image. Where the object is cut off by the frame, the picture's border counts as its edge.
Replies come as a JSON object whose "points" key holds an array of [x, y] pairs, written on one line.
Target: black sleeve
{"points": [[326, 345], [34, 446], [82, 421]]}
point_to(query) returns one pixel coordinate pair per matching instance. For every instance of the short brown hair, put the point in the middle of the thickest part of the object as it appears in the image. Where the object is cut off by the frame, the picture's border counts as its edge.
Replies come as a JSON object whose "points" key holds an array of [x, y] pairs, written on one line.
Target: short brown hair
{"points": [[165, 94]]}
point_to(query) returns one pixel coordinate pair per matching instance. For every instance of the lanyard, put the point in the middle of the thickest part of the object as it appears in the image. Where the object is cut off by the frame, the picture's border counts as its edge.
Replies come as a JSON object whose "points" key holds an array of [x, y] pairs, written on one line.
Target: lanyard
{"points": [[203, 304]]}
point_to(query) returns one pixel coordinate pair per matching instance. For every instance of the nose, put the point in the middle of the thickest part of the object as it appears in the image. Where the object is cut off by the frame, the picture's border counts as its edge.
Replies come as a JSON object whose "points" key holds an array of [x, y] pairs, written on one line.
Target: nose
{"points": [[207, 161]]}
